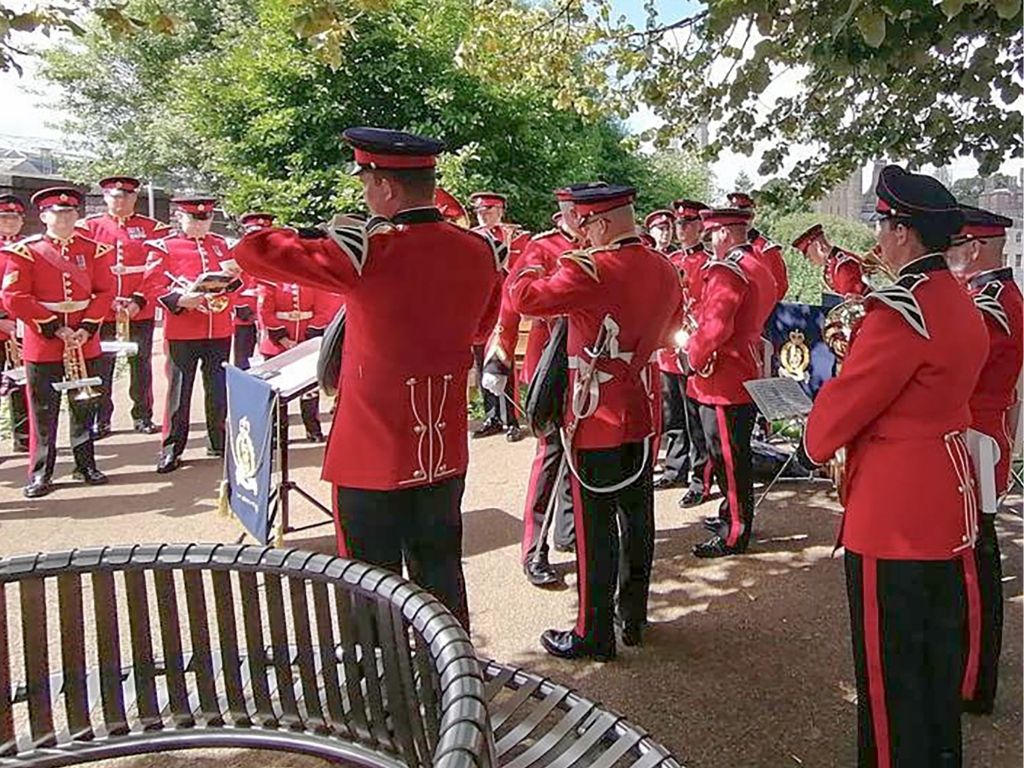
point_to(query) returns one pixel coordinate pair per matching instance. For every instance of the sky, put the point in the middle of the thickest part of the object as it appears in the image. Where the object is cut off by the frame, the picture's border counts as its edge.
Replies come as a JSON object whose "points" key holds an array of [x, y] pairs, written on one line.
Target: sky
{"points": [[27, 120]]}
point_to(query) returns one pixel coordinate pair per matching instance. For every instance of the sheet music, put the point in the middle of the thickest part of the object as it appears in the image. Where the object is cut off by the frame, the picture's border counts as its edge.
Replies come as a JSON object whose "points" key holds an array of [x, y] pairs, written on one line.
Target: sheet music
{"points": [[779, 398], [291, 371]]}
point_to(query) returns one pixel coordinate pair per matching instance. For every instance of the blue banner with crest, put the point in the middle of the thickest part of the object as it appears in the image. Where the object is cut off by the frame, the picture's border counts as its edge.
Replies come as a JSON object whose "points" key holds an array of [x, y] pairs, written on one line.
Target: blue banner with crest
{"points": [[795, 331], [249, 450]]}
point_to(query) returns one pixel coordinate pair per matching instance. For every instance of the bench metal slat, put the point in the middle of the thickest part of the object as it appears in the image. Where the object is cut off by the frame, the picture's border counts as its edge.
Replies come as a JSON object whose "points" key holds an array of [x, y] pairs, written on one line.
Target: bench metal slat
{"points": [[516, 699], [366, 629], [594, 733], [201, 664], [231, 663], [255, 652], [328, 661], [141, 633], [541, 710], [428, 688], [498, 682], [415, 703], [7, 739], [72, 651], [170, 637], [290, 716], [347, 633], [398, 705], [108, 646], [550, 740], [616, 751], [37, 660], [304, 657]]}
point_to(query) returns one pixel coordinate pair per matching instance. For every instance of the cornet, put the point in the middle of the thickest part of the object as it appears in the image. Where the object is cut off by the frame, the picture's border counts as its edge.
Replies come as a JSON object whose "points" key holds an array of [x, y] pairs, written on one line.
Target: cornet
{"points": [[122, 345], [76, 375], [215, 303]]}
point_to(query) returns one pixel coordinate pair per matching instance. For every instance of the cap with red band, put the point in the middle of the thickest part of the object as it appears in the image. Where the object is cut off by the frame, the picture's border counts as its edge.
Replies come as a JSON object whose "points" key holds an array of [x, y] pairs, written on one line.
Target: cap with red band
{"points": [[808, 236], [740, 200], [11, 204], [915, 196], [712, 218], [654, 218], [197, 207], [980, 224], [57, 198], [257, 219], [688, 210], [486, 200], [387, 150], [120, 183], [594, 201]]}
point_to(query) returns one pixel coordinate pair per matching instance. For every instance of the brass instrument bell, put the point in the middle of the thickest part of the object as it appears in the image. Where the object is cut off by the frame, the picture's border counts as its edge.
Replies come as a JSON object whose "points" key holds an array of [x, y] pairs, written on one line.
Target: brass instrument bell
{"points": [[76, 375]]}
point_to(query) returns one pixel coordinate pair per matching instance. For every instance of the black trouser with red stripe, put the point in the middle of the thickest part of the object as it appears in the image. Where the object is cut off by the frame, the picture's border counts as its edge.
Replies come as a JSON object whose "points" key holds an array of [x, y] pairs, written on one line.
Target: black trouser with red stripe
{"points": [[549, 484], [19, 406], [614, 541], [727, 431], [985, 602], [421, 526], [243, 346], [140, 366], [44, 417], [183, 357], [686, 451], [907, 623]]}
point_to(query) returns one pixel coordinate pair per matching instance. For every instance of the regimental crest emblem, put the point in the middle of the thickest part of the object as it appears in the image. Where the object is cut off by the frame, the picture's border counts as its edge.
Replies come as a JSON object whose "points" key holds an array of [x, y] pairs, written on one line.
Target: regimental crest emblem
{"points": [[244, 454], [795, 357]]}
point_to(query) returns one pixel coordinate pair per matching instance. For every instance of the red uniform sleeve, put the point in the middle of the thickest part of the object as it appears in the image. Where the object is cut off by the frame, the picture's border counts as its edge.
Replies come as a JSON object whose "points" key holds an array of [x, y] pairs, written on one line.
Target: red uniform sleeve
{"points": [[506, 332], [777, 264], [315, 262], [570, 287], [723, 293], [490, 316], [19, 290], [155, 283], [325, 307], [104, 288], [848, 278], [882, 358]]}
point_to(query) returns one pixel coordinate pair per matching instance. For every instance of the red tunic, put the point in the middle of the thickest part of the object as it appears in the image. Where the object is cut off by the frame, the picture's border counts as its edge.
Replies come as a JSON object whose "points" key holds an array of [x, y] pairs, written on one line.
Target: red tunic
{"points": [[626, 291], [998, 297], [843, 273], [127, 237], [899, 406], [688, 262], [5, 240], [417, 292], [246, 301], [770, 254], [737, 297], [49, 283], [186, 258], [506, 331], [290, 311]]}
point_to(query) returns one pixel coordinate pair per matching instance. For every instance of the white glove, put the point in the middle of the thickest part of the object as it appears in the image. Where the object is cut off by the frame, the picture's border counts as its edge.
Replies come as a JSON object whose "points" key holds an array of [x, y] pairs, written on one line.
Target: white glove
{"points": [[494, 383]]}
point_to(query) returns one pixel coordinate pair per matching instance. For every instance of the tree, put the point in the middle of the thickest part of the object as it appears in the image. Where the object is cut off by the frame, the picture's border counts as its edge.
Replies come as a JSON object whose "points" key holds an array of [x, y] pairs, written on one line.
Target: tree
{"points": [[743, 183], [238, 104]]}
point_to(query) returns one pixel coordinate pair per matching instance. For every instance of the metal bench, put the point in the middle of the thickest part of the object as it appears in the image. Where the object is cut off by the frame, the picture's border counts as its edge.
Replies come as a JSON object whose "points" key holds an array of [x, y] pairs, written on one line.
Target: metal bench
{"points": [[123, 651], [289, 650]]}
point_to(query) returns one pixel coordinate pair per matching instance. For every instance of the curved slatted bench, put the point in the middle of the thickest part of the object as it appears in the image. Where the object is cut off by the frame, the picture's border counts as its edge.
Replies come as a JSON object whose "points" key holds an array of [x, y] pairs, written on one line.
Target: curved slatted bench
{"points": [[538, 723], [121, 651]]}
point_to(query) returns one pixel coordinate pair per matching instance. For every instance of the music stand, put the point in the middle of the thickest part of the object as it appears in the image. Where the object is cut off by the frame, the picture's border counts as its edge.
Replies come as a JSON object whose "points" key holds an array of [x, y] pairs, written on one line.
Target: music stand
{"points": [[779, 399], [291, 375]]}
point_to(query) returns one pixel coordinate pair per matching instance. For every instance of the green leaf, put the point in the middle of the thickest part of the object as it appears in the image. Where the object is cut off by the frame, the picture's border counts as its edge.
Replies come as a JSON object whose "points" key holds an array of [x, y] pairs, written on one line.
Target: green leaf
{"points": [[1007, 9], [952, 7], [871, 24]]}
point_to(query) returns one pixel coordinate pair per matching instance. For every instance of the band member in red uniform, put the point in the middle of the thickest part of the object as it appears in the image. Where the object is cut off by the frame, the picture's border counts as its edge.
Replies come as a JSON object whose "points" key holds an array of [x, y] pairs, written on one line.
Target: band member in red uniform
{"points": [[548, 492], [290, 314], [661, 226], [767, 252], [60, 286], [397, 451], [197, 327], [451, 209], [125, 231], [737, 296], [12, 219], [899, 407], [245, 311], [686, 452], [499, 411], [842, 271], [976, 259], [622, 300]]}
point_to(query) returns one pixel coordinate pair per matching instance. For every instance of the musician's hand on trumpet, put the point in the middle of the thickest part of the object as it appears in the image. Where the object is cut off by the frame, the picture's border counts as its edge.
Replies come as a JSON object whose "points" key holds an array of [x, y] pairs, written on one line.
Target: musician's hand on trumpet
{"points": [[190, 300]]}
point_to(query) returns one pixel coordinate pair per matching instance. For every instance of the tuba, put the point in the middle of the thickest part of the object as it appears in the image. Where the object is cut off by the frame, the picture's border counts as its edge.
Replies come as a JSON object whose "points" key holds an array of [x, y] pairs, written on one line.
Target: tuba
{"points": [[76, 375], [840, 324]]}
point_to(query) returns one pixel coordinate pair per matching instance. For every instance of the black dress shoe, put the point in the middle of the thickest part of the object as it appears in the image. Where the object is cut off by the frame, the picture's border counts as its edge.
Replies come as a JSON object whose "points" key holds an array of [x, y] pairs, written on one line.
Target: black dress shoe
{"points": [[488, 428], [213, 453], [570, 547], [90, 476], [691, 499], [664, 481], [315, 437], [146, 427], [101, 431], [716, 547], [514, 433], [713, 523], [38, 486], [632, 635], [540, 573], [168, 463], [568, 645]]}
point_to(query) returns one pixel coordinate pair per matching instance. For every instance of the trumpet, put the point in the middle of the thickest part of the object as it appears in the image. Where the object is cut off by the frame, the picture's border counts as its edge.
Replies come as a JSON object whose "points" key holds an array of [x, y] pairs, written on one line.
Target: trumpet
{"points": [[682, 338], [215, 303], [14, 353], [14, 375], [76, 375]]}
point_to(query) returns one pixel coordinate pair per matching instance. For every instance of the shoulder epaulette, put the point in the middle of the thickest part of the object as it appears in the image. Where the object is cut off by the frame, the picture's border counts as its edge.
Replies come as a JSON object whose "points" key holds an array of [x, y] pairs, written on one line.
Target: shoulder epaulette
{"points": [[20, 247], [498, 249], [102, 250], [545, 233], [352, 236], [159, 244], [900, 297], [82, 223], [732, 264], [988, 302], [158, 226], [584, 260], [379, 225]]}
